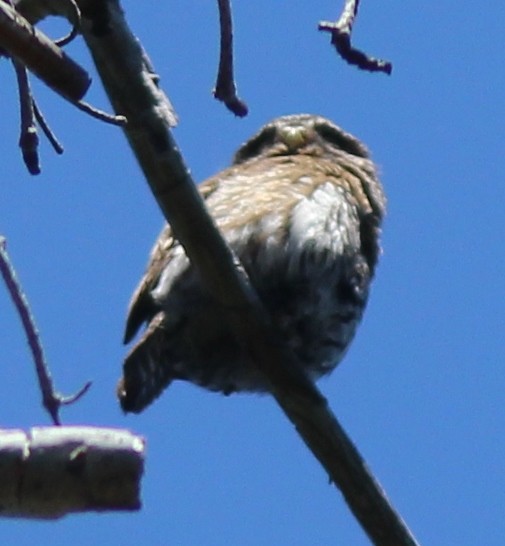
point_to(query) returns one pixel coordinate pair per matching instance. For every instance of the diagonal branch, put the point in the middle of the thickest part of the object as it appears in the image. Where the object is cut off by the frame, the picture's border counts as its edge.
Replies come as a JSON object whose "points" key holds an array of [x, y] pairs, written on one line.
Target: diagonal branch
{"points": [[120, 58]]}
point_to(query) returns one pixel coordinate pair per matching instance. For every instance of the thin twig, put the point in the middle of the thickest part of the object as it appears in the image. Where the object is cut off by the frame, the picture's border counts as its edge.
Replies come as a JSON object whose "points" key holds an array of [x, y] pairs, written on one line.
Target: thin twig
{"points": [[341, 31], [76, 25], [226, 90], [28, 139], [30, 112], [100, 114], [41, 120], [51, 399]]}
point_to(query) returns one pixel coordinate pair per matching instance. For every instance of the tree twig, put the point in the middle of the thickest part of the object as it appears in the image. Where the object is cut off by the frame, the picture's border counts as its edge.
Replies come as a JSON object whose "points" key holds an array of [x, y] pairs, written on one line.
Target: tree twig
{"points": [[341, 31], [76, 25], [51, 399], [28, 138], [58, 148], [226, 90], [100, 114]]}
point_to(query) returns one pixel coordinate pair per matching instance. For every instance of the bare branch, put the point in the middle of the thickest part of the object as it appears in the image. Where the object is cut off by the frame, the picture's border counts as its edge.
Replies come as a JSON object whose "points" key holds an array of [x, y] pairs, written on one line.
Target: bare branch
{"points": [[225, 89], [41, 56], [58, 148], [51, 399], [28, 139], [50, 472], [341, 31], [100, 114], [29, 110]]}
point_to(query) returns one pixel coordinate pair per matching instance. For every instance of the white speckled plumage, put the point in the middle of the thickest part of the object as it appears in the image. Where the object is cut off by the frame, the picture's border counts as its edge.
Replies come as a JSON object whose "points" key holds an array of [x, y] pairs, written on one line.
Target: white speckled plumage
{"points": [[301, 207]]}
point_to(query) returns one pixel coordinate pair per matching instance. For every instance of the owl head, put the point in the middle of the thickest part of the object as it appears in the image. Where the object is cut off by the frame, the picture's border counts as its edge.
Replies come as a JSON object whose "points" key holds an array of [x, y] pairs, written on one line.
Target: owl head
{"points": [[300, 134]]}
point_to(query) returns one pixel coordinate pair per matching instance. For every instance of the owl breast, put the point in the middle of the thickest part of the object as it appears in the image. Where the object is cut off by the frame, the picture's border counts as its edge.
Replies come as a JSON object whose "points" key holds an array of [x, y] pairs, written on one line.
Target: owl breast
{"points": [[314, 280], [307, 269]]}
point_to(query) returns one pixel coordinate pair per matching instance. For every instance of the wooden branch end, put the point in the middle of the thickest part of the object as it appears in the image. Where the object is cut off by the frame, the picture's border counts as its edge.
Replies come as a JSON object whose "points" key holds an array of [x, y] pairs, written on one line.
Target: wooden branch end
{"points": [[54, 471]]}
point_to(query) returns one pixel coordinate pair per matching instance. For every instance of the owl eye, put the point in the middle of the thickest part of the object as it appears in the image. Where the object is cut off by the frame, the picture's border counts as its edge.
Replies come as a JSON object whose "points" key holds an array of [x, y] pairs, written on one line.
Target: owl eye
{"points": [[340, 139], [255, 145]]}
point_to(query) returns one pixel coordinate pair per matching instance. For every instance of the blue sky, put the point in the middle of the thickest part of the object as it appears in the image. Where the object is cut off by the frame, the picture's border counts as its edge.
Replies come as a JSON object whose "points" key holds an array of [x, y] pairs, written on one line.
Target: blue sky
{"points": [[421, 390]]}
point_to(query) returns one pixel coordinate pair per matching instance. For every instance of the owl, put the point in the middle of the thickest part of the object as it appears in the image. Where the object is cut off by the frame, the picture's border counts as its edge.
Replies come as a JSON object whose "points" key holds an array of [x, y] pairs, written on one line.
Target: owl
{"points": [[301, 207]]}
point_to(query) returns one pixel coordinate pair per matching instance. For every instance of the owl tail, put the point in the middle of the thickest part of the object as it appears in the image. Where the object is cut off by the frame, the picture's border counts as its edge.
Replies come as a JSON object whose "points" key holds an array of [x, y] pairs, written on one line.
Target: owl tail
{"points": [[146, 371]]}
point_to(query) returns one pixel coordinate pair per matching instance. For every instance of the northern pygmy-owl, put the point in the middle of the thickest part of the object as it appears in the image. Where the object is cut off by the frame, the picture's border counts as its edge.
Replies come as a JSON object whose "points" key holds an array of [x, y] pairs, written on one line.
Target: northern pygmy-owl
{"points": [[301, 207]]}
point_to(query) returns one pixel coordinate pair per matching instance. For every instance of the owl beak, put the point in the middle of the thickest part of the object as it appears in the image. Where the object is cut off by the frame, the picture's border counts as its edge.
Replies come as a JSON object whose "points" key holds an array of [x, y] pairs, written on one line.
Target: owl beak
{"points": [[294, 138]]}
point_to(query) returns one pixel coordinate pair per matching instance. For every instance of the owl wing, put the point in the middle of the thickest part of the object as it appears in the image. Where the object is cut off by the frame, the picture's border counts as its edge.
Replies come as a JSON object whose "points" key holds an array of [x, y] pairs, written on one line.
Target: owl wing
{"points": [[142, 306]]}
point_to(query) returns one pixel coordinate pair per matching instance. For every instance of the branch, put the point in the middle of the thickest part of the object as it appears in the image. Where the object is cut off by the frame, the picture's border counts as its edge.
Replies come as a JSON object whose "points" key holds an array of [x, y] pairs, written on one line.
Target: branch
{"points": [[28, 140], [29, 48], [226, 90], [41, 56], [41, 120], [120, 58], [341, 31], [50, 472], [51, 399], [135, 62], [76, 24]]}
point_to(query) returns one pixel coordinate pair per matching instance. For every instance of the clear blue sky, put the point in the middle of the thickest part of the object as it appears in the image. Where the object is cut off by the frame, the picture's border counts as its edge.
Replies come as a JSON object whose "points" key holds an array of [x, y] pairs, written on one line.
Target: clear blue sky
{"points": [[422, 389]]}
